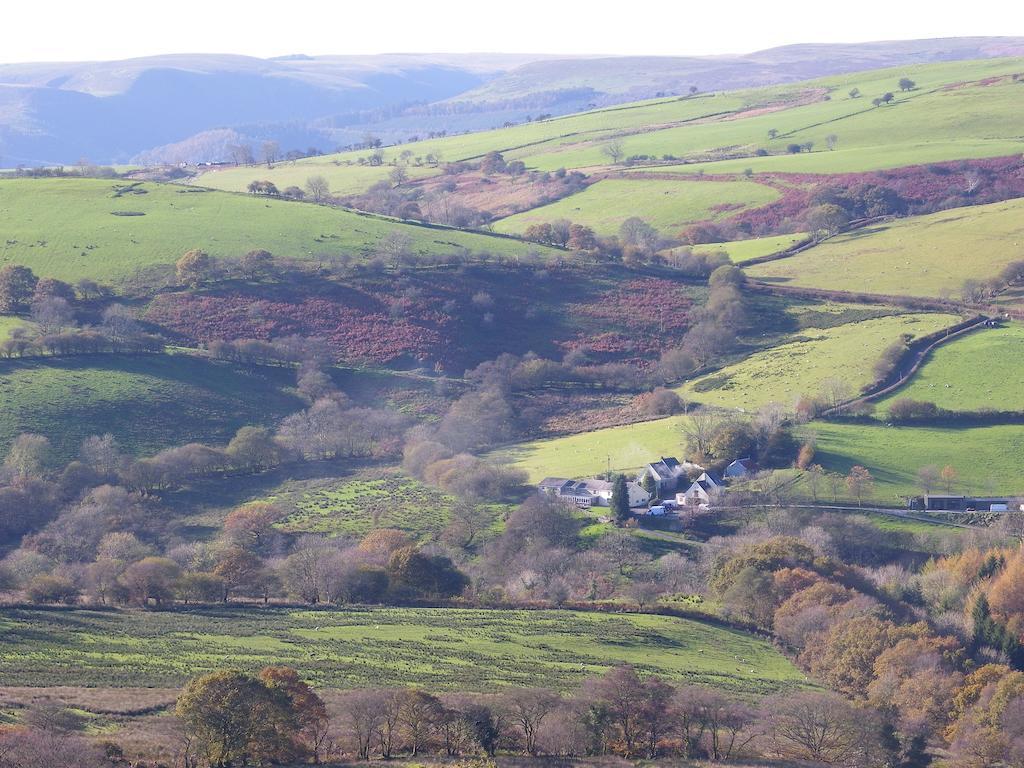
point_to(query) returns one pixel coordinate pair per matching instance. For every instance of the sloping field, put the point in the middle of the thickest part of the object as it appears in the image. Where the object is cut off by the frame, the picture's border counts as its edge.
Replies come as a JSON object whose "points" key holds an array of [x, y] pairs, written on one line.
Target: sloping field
{"points": [[354, 506], [986, 458], [742, 250], [74, 228], [148, 402], [979, 371], [439, 649], [664, 204], [959, 110], [588, 453], [919, 256], [978, 119], [799, 366], [342, 178]]}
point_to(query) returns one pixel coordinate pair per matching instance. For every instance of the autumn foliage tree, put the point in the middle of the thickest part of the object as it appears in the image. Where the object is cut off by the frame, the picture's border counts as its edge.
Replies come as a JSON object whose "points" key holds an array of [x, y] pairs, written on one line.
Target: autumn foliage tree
{"points": [[194, 267], [236, 718]]}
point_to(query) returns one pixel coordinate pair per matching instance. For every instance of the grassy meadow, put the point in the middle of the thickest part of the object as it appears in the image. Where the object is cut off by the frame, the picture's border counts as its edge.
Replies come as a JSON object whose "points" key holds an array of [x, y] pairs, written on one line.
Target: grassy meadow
{"points": [[919, 256], [799, 365], [148, 402], [959, 122], [948, 116], [354, 506], [985, 457], [664, 204], [743, 250], [980, 371], [588, 453], [74, 228], [343, 179], [439, 649]]}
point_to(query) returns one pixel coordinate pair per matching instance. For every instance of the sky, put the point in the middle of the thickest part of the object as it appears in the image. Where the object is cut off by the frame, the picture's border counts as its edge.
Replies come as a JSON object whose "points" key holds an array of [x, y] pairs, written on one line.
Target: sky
{"points": [[86, 30]]}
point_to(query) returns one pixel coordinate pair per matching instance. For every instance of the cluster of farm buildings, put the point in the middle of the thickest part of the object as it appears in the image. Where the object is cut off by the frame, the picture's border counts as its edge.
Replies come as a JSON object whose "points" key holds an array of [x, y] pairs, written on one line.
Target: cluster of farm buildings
{"points": [[660, 488]]}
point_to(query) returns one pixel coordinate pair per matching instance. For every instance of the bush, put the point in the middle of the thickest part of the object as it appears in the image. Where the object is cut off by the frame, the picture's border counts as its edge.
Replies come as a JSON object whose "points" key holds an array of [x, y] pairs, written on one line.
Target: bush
{"points": [[660, 402], [52, 589], [906, 409]]}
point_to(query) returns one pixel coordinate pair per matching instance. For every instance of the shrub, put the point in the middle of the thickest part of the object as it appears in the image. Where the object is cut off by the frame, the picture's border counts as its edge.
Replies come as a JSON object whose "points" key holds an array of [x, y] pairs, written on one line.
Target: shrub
{"points": [[906, 409], [52, 589]]}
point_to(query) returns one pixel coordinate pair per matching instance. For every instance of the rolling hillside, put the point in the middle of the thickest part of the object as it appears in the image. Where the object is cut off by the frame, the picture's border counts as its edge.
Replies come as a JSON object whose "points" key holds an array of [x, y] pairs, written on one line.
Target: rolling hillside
{"points": [[918, 256], [106, 230], [147, 402]]}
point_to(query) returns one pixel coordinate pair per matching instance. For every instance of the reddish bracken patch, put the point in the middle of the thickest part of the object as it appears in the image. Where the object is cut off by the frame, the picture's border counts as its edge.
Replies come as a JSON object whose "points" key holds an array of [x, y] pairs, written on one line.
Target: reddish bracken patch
{"points": [[921, 189], [633, 321], [355, 333]]}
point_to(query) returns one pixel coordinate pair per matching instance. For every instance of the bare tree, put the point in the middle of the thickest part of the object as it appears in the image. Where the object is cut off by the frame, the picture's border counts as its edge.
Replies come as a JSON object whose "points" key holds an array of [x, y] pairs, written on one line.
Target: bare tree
{"points": [[835, 391], [317, 188], [972, 180], [527, 708], [820, 727], [271, 151], [614, 151], [814, 476], [698, 430], [927, 478]]}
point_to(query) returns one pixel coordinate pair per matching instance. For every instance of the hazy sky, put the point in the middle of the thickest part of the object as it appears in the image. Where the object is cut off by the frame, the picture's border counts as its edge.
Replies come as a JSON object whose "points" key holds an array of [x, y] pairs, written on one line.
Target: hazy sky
{"points": [[69, 30]]}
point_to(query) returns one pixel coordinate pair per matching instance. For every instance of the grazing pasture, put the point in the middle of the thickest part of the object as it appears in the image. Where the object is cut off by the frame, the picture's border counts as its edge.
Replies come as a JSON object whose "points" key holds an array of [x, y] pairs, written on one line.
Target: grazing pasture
{"points": [[588, 453], [980, 371], [666, 205], [437, 648], [799, 365], [743, 250], [357, 505], [919, 256], [985, 458], [933, 122], [148, 402], [962, 109], [343, 179], [107, 230]]}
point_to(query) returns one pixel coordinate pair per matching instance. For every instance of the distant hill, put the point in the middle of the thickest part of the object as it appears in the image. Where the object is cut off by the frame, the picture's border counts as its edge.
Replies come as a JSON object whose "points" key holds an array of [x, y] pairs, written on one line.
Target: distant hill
{"points": [[629, 78], [189, 107]]}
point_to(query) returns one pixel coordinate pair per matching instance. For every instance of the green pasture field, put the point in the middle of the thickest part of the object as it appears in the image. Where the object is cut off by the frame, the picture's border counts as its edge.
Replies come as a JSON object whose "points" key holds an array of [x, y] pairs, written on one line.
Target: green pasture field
{"points": [[666, 205], [343, 179], [911, 526], [985, 458], [970, 121], [980, 371], [854, 159], [925, 125], [384, 498], [148, 402], [743, 250], [588, 453], [920, 256], [437, 648], [570, 129], [65, 228], [799, 365]]}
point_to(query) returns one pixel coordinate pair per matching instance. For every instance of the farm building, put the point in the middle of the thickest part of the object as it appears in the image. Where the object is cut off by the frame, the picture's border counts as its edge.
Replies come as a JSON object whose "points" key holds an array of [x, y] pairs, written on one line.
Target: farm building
{"points": [[940, 502], [668, 474], [591, 492], [739, 469], [701, 490]]}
